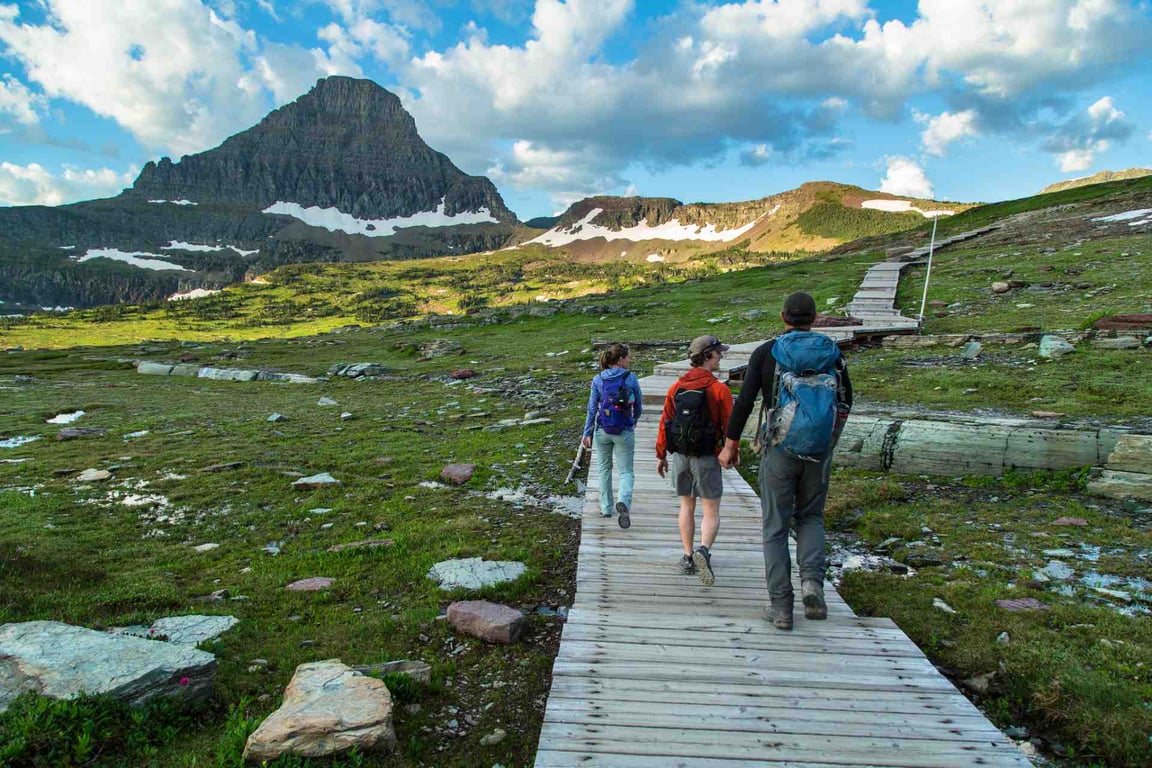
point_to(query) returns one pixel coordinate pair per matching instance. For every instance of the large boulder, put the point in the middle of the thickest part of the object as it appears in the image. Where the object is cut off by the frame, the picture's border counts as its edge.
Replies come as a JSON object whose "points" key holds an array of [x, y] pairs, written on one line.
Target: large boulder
{"points": [[488, 621], [63, 661], [328, 709]]}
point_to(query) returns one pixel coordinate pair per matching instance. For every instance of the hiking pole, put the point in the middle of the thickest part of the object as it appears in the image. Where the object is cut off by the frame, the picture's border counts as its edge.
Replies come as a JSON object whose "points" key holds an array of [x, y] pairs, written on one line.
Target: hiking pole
{"points": [[928, 276], [577, 465]]}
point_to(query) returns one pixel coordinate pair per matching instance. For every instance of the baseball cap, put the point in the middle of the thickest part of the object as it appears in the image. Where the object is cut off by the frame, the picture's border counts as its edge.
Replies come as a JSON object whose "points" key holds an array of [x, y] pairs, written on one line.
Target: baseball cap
{"points": [[800, 306], [705, 344]]}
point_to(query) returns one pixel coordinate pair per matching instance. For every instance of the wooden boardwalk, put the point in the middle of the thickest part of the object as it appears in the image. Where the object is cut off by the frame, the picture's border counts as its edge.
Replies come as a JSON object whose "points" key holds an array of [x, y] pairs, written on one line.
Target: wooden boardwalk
{"points": [[656, 670]]}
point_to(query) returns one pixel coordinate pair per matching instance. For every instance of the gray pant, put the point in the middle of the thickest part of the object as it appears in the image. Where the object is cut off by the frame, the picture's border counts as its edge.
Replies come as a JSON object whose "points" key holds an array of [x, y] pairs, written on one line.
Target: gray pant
{"points": [[792, 489]]}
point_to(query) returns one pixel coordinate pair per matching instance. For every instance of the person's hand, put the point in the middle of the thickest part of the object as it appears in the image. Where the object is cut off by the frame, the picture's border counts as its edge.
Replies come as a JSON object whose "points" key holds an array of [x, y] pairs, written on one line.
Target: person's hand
{"points": [[662, 466], [728, 455], [586, 442]]}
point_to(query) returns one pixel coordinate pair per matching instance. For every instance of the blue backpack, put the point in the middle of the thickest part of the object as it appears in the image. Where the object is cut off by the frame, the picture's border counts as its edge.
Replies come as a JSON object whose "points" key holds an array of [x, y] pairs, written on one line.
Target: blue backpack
{"points": [[804, 421], [616, 402]]}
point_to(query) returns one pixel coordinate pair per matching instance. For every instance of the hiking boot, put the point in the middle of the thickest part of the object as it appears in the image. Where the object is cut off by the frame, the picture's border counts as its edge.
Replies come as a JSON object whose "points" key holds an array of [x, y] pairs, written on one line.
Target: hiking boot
{"points": [[780, 617], [703, 560], [812, 592], [687, 567], [622, 512]]}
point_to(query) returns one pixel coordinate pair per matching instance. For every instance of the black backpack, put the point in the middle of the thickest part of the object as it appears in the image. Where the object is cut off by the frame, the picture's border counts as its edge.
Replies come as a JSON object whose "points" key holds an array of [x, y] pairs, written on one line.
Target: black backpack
{"points": [[691, 430]]}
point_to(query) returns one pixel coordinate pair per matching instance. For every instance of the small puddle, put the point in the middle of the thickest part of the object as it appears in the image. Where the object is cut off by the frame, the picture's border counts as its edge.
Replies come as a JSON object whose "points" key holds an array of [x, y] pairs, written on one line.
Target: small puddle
{"points": [[19, 440], [65, 418]]}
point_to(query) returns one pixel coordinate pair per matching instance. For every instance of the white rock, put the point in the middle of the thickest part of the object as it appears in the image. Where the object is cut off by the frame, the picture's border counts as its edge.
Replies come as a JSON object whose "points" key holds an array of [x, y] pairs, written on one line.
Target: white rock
{"points": [[474, 573]]}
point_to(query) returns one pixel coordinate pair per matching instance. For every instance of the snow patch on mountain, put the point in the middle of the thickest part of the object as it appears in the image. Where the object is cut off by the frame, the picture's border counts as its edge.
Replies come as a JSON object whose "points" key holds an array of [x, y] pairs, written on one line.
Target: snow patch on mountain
{"points": [[669, 230], [335, 220], [178, 245], [140, 259]]}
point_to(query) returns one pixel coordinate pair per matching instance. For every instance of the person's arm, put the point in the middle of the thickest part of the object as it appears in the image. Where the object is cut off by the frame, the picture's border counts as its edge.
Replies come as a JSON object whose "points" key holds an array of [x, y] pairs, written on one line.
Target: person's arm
{"points": [[724, 415], [749, 389], [661, 439], [593, 407]]}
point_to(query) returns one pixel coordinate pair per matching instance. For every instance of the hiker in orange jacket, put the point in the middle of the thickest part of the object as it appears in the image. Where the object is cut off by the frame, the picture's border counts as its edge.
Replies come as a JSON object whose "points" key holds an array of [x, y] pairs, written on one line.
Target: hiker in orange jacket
{"points": [[692, 427]]}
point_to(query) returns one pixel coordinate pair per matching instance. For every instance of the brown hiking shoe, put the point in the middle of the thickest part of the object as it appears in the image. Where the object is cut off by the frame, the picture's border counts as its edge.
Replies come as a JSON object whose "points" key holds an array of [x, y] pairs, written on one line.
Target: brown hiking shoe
{"points": [[780, 617], [812, 592]]}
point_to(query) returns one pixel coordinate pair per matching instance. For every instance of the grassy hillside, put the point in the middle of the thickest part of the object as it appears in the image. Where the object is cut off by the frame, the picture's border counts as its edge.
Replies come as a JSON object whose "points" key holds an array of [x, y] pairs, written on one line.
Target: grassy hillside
{"points": [[1077, 674]]}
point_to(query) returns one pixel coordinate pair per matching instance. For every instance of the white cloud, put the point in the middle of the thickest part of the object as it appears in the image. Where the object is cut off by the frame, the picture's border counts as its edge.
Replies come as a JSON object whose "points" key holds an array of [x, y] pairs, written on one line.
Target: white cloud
{"points": [[1077, 142], [946, 128], [568, 174], [35, 185], [16, 100], [905, 177]]}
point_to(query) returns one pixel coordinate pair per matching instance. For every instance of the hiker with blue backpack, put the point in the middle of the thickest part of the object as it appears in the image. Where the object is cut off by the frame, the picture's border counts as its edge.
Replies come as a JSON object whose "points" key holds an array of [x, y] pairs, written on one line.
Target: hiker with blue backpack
{"points": [[614, 405], [807, 394]]}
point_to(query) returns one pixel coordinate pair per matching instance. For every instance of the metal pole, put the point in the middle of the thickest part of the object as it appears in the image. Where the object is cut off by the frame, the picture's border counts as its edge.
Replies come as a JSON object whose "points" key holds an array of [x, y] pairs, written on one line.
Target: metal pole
{"points": [[928, 275]]}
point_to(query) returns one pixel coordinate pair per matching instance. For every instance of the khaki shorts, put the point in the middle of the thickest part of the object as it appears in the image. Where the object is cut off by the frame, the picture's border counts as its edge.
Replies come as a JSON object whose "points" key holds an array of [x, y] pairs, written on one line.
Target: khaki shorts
{"points": [[697, 476]]}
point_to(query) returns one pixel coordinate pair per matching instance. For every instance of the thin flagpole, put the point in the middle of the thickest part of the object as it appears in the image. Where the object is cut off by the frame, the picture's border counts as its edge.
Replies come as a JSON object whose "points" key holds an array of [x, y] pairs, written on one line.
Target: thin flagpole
{"points": [[928, 276]]}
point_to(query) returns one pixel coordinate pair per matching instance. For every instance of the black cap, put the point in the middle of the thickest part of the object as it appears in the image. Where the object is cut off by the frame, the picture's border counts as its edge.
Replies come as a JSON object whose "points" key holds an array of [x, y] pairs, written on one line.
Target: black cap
{"points": [[705, 344], [800, 308]]}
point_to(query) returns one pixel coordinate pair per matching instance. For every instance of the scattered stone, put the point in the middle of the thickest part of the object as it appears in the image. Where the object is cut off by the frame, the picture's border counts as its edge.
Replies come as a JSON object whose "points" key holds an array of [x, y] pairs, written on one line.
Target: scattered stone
{"points": [[322, 480], [1003, 638], [1141, 323], [489, 621], [326, 401], [366, 544], [1000, 287], [206, 547], [457, 473], [971, 350], [183, 630], [419, 671], [1057, 570], [463, 373], [328, 709], [346, 416], [921, 559], [62, 661], [223, 467], [64, 472], [943, 606], [493, 738], [72, 433], [981, 684], [1015, 605], [1052, 347], [1047, 414], [474, 573], [1070, 521], [1120, 342], [93, 476], [273, 547], [276, 418], [313, 584], [357, 370]]}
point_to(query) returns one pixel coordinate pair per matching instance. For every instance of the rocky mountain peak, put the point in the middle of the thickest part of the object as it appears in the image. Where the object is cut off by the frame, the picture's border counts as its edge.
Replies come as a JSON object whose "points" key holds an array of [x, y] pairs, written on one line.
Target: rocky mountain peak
{"points": [[347, 144]]}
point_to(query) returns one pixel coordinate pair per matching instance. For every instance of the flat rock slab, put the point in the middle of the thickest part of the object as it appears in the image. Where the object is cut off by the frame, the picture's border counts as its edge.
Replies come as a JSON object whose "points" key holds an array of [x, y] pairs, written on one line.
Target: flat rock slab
{"points": [[1070, 521], [488, 621], [329, 709], [322, 480], [93, 476], [475, 572], [419, 671], [183, 630], [457, 473], [313, 584], [63, 661], [72, 433], [223, 467], [1137, 322], [1018, 604], [366, 544]]}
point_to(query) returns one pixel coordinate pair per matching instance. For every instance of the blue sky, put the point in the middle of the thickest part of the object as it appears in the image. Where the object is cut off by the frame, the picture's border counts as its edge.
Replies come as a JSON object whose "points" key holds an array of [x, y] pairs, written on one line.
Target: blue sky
{"points": [[963, 100]]}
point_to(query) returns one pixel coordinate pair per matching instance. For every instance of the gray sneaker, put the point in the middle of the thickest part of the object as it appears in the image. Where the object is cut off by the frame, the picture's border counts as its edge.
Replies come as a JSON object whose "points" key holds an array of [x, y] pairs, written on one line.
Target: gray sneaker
{"points": [[812, 593], [703, 559], [780, 617], [622, 515], [686, 566]]}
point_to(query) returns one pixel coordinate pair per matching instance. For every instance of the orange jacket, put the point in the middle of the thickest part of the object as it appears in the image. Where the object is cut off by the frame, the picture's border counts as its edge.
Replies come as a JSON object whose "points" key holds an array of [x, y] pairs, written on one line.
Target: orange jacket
{"points": [[719, 403]]}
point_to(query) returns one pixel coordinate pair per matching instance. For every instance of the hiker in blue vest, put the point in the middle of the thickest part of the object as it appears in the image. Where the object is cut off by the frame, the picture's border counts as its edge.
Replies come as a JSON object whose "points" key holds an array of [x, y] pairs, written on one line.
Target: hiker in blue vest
{"points": [[807, 395], [614, 405]]}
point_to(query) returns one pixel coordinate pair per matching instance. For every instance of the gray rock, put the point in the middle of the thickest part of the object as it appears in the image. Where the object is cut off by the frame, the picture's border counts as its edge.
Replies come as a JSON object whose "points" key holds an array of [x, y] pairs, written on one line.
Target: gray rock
{"points": [[322, 480], [93, 476], [488, 621], [62, 661], [971, 350], [313, 584], [493, 738], [227, 374], [72, 433], [1000, 287], [183, 630], [981, 684], [1120, 342], [457, 473], [277, 418], [1053, 347], [475, 573], [153, 369], [328, 709], [419, 671], [326, 401]]}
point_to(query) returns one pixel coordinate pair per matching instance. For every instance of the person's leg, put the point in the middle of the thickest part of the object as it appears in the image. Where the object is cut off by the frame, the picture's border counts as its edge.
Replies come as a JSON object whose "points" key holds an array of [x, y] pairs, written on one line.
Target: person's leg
{"points": [[710, 486], [777, 502], [625, 451], [687, 523], [811, 495], [604, 445]]}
